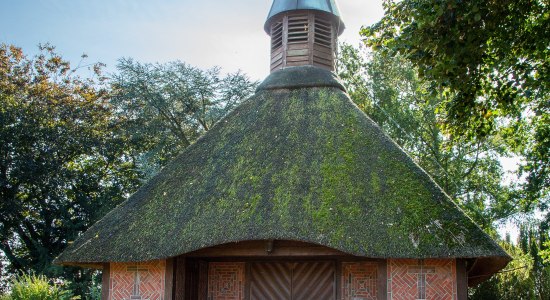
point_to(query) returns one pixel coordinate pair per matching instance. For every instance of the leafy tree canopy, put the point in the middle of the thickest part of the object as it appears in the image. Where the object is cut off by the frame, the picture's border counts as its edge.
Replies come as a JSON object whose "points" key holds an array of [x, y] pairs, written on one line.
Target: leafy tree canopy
{"points": [[491, 62], [409, 109], [71, 149], [63, 164], [388, 89], [168, 106]]}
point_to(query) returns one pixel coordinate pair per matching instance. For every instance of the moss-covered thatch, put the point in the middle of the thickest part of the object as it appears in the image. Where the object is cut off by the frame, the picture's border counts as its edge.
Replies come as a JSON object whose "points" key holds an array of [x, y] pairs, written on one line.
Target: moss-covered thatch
{"points": [[294, 162]]}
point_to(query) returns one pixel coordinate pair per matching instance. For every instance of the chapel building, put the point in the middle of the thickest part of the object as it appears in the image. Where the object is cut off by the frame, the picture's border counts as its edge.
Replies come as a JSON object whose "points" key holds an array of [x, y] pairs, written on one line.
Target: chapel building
{"points": [[296, 194]]}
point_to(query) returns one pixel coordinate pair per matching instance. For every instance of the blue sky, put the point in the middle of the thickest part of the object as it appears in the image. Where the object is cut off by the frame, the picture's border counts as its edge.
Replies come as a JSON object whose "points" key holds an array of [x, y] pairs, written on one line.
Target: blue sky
{"points": [[203, 33]]}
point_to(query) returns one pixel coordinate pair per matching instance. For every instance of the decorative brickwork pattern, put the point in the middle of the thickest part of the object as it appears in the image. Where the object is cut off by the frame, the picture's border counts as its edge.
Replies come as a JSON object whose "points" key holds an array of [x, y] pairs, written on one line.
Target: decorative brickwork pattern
{"points": [[442, 283], [359, 281], [430, 279], [226, 281], [137, 281]]}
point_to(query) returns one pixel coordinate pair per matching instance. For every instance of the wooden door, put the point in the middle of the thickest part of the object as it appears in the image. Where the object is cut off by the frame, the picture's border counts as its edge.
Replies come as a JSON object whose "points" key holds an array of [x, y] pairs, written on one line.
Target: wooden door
{"points": [[292, 281], [270, 280], [313, 280]]}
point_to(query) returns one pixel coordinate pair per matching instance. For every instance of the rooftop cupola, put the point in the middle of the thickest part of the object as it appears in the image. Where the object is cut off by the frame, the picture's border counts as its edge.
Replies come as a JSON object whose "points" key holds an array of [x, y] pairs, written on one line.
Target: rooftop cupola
{"points": [[303, 33]]}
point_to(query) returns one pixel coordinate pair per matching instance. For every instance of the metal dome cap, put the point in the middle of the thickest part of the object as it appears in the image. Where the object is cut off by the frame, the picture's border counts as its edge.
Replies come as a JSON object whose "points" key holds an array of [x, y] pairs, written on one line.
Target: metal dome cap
{"points": [[327, 6]]}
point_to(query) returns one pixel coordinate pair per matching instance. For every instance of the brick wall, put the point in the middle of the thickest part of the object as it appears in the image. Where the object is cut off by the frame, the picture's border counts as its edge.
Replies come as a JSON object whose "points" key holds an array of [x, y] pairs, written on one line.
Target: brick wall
{"points": [[359, 281], [430, 279], [139, 281], [226, 280]]}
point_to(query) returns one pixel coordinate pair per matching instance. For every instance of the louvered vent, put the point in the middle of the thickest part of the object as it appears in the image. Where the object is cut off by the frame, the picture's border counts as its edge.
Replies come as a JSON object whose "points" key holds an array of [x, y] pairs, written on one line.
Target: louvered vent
{"points": [[298, 29], [323, 33], [323, 43], [276, 36], [277, 45]]}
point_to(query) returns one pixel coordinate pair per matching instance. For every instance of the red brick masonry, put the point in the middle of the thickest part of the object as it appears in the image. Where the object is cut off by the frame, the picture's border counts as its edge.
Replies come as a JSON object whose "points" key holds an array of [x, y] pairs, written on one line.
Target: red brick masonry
{"points": [[430, 279], [359, 281], [139, 281], [226, 280]]}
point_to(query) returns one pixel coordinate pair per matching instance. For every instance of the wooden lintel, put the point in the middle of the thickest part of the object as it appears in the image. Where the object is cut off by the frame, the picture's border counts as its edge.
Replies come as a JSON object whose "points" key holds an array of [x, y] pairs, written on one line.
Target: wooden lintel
{"points": [[258, 248]]}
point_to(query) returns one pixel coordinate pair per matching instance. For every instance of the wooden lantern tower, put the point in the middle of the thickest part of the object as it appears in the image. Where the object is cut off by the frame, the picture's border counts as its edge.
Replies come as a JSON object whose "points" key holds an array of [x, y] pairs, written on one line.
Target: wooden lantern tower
{"points": [[303, 33]]}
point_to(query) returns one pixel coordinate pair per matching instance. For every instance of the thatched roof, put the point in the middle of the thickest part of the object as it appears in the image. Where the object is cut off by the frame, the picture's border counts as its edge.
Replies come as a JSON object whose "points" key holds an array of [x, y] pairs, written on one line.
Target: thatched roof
{"points": [[298, 161]]}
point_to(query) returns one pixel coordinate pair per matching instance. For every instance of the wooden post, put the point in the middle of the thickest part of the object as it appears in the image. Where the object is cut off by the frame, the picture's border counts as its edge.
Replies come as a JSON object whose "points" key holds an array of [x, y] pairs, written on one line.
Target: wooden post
{"points": [[461, 280], [169, 279], [310, 36], [179, 271], [105, 281], [203, 279], [285, 39], [338, 279], [382, 284]]}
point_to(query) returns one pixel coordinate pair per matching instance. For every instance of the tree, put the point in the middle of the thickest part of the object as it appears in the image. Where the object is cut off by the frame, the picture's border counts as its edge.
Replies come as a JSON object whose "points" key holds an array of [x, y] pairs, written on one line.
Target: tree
{"points": [[389, 90], [168, 106], [71, 149], [526, 277], [407, 107], [516, 283], [491, 60], [63, 163]]}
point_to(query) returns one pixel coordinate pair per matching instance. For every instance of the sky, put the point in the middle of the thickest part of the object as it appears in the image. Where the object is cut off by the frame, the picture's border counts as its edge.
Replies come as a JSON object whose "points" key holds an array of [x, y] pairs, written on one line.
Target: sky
{"points": [[204, 33]]}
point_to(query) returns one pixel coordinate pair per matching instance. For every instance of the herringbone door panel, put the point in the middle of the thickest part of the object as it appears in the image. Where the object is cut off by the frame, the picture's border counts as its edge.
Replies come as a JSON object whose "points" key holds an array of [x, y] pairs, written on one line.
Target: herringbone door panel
{"points": [[270, 281], [292, 281], [313, 280]]}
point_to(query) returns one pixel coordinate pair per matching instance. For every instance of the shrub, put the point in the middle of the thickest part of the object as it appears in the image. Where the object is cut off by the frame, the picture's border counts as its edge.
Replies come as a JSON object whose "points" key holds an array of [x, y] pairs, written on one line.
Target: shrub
{"points": [[36, 287]]}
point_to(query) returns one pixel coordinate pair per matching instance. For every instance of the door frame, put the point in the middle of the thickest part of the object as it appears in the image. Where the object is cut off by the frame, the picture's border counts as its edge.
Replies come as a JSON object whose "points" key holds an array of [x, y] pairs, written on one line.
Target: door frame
{"points": [[195, 273]]}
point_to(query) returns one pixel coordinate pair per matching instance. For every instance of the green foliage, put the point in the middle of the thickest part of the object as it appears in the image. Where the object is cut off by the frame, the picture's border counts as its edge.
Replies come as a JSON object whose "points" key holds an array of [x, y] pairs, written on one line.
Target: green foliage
{"points": [[545, 254], [407, 107], [63, 162], [509, 285], [85, 282], [493, 54], [94, 293], [487, 63], [37, 287], [71, 149], [168, 106], [490, 62], [526, 277]]}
